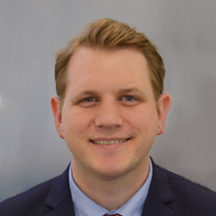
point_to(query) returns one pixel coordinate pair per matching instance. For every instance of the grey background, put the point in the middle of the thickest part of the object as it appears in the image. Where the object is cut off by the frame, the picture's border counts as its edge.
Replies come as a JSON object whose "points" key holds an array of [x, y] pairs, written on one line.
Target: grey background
{"points": [[30, 34]]}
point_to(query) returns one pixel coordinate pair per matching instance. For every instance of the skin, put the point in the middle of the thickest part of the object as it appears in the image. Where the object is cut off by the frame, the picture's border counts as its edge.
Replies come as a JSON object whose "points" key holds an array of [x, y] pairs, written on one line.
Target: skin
{"points": [[109, 97]]}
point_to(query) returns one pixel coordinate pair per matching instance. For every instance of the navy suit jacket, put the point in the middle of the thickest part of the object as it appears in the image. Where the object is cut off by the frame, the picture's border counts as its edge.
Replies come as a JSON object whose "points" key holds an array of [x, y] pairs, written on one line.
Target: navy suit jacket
{"points": [[169, 195]]}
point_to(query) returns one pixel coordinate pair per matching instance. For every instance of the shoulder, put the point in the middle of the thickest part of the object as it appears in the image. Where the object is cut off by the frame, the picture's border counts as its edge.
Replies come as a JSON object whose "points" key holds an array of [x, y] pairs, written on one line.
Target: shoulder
{"points": [[185, 187], [188, 195], [30, 202]]}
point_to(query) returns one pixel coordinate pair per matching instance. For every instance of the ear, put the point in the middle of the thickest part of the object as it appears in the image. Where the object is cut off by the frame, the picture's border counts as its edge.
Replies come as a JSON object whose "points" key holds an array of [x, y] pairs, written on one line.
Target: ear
{"points": [[164, 104], [56, 109]]}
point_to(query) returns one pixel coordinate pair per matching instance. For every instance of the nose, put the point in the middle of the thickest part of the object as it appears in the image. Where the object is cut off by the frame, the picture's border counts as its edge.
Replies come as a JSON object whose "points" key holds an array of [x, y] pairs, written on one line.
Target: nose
{"points": [[109, 115]]}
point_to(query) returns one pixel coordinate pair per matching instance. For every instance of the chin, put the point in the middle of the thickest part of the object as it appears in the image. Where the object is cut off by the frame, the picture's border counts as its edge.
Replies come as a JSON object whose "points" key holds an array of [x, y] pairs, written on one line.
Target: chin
{"points": [[112, 172]]}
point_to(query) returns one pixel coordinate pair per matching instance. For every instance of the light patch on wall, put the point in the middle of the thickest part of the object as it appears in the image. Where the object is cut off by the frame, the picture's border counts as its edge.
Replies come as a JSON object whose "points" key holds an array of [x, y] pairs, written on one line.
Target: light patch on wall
{"points": [[0, 158], [0, 146]]}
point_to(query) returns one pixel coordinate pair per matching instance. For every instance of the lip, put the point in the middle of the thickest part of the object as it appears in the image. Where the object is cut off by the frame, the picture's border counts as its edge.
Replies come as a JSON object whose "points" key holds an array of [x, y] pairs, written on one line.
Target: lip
{"points": [[113, 140], [109, 139]]}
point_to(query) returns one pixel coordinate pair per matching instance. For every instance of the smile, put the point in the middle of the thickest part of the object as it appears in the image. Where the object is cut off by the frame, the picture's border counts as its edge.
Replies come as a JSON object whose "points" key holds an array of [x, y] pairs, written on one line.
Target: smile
{"points": [[109, 142]]}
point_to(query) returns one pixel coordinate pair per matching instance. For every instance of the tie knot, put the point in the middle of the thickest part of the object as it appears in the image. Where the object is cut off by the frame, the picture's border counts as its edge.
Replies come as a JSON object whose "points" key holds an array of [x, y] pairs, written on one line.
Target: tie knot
{"points": [[112, 215]]}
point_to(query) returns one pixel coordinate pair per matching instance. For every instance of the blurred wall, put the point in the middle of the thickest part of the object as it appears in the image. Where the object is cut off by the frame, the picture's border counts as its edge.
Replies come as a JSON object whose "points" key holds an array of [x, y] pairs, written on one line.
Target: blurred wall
{"points": [[30, 34]]}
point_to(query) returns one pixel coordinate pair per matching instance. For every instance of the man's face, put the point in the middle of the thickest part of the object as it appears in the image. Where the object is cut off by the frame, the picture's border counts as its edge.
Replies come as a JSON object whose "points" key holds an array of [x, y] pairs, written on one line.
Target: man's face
{"points": [[109, 118]]}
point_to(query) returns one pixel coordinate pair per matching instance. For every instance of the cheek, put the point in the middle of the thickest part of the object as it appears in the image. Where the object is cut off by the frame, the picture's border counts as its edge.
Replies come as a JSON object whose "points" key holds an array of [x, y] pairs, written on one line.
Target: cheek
{"points": [[74, 127], [74, 122], [144, 120]]}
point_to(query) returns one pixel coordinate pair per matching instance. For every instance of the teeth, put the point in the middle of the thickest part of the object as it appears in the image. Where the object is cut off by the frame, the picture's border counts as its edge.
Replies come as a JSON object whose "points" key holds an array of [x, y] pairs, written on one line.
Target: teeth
{"points": [[105, 142]]}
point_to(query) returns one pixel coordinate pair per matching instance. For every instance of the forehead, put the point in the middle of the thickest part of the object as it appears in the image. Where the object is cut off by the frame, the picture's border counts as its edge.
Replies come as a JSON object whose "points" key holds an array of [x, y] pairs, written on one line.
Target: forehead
{"points": [[93, 67]]}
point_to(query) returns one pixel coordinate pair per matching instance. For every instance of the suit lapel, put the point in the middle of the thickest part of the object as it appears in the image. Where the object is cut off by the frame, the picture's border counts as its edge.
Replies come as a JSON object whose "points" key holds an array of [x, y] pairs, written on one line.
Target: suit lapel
{"points": [[159, 199], [59, 200], [158, 202]]}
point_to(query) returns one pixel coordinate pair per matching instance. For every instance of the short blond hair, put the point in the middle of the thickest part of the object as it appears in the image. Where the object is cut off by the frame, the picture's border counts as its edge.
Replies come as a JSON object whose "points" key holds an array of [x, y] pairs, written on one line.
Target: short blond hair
{"points": [[110, 34]]}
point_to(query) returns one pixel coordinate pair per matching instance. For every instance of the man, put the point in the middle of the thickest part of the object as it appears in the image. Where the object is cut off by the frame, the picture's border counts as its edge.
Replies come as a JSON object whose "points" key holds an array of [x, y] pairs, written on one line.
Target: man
{"points": [[109, 109]]}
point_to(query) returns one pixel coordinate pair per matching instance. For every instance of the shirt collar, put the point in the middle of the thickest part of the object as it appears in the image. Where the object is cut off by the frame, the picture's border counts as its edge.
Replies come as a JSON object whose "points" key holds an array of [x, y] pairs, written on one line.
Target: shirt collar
{"points": [[83, 206]]}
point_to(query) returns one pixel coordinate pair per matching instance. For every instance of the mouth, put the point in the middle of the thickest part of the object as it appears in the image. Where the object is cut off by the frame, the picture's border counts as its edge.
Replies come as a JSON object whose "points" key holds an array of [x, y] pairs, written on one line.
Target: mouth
{"points": [[109, 142]]}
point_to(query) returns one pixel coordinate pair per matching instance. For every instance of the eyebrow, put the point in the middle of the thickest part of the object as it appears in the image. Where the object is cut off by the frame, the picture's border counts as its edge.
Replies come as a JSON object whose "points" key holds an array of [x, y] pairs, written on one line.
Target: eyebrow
{"points": [[124, 90], [83, 94], [134, 90], [129, 90]]}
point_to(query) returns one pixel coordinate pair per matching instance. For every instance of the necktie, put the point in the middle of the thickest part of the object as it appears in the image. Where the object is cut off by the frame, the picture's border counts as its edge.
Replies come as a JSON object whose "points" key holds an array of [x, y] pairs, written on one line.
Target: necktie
{"points": [[113, 215]]}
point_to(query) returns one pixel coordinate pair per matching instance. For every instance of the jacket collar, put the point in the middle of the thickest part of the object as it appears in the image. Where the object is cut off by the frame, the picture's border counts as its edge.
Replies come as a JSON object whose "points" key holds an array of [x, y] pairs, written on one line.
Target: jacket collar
{"points": [[59, 198], [158, 202], [159, 199]]}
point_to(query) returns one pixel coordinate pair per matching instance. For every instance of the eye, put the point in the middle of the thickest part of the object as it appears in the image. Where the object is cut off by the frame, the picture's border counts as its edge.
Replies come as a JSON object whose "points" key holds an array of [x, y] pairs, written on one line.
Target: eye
{"points": [[128, 98], [89, 99]]}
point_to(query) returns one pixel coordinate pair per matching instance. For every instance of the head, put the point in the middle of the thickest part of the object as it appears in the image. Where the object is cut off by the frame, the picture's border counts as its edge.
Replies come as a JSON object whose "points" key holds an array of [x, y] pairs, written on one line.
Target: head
{"points": [[109, 81], [108, 34]]}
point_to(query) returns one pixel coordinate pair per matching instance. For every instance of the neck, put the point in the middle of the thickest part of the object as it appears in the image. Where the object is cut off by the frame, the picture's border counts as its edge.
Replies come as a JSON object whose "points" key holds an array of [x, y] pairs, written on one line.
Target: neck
{"points": [[110, 192]]}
